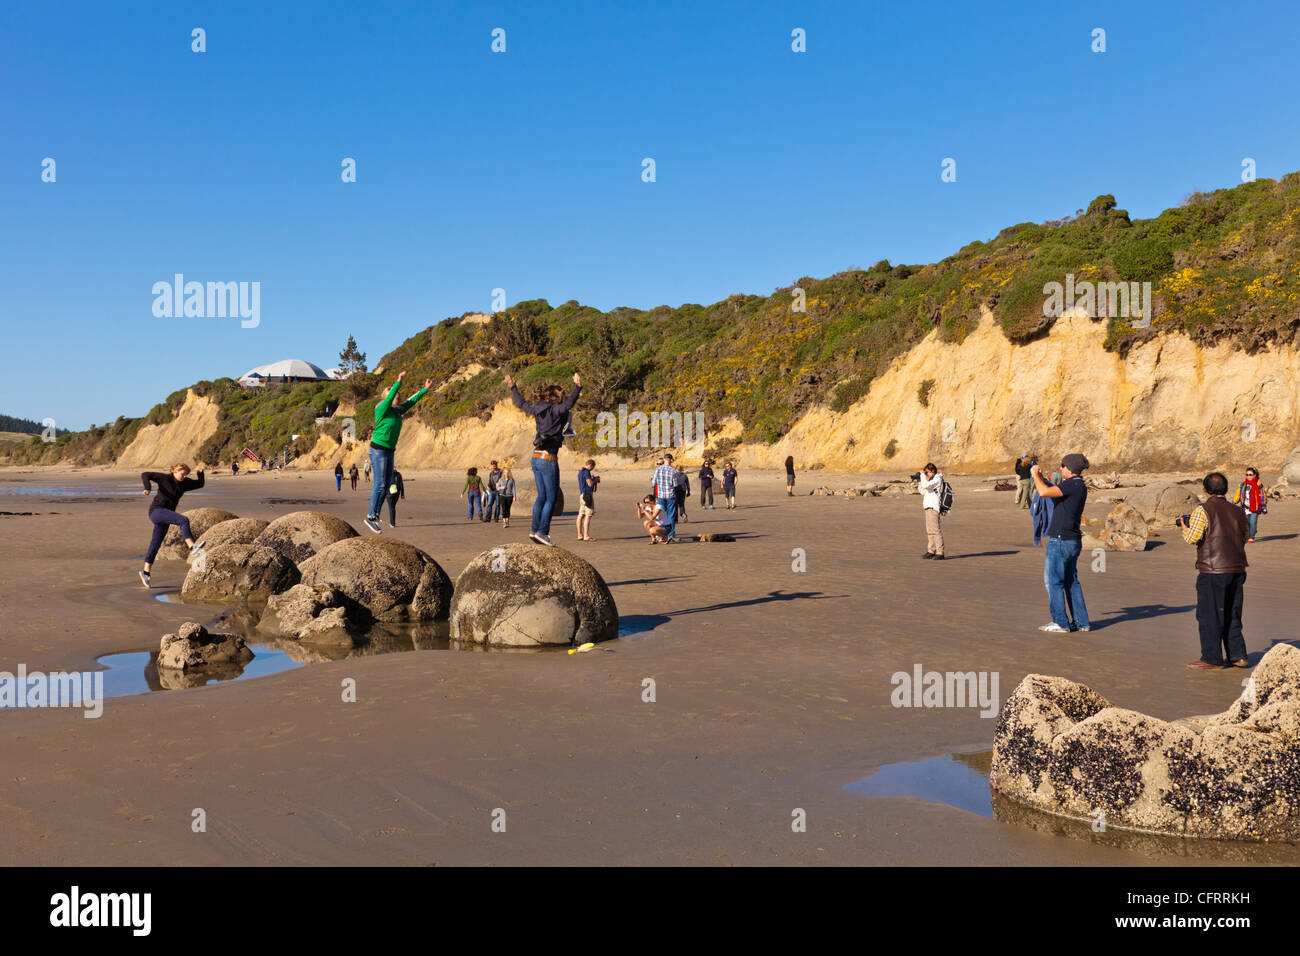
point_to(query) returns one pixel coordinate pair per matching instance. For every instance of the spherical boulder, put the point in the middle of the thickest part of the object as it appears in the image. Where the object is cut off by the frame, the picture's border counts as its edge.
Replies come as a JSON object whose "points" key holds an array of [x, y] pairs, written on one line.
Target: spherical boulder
{"points": [[234, 531], [225, 573], [201, 521], [1162, 503], [1291, 469], [387, 579], [527, 595], [300, 535]]}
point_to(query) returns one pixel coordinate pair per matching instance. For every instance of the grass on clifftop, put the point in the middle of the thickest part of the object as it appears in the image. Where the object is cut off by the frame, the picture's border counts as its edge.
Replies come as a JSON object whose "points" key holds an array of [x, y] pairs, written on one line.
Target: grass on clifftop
{"points": [[1224, 267]]}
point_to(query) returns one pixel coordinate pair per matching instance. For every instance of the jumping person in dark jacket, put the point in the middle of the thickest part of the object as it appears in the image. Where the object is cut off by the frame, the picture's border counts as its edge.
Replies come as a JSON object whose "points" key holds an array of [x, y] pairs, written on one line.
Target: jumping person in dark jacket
{"points": [[162, 511], [393, 496], [551, 413]]}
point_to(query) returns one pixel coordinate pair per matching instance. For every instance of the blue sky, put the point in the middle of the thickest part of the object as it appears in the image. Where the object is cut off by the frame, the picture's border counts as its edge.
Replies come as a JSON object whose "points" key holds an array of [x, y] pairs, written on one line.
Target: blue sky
{"points": [[522, 170]]}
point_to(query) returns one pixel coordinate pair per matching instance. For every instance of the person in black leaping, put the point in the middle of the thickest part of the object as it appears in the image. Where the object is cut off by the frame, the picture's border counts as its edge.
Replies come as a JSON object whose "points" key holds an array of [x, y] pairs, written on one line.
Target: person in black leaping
{"points": [[162, 511]]}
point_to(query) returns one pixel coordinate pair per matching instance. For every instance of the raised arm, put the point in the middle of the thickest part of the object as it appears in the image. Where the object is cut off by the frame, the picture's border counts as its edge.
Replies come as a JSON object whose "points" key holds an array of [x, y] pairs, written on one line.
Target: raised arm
{"points": [[382, 408]]}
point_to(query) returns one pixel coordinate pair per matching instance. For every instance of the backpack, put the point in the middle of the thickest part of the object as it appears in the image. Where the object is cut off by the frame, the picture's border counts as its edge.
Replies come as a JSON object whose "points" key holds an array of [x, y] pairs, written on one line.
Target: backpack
{"points": [[945, 497]]}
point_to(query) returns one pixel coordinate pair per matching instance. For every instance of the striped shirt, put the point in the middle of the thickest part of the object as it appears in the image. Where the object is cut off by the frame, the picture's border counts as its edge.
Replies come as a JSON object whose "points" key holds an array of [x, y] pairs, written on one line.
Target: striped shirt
{"points": [[665, 480]]}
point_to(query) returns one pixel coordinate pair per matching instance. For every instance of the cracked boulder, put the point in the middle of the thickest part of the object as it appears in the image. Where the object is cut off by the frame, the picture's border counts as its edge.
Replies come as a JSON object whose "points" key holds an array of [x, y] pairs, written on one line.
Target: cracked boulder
{"points": [[527, 595], [381, 579], [1062, 748], [300, 535], [192, 647]]}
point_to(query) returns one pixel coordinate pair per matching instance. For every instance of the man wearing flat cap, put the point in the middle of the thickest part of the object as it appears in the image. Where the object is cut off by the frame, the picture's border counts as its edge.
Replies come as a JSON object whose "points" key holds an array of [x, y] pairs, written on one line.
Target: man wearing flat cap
{"points": [[1064, 542]]}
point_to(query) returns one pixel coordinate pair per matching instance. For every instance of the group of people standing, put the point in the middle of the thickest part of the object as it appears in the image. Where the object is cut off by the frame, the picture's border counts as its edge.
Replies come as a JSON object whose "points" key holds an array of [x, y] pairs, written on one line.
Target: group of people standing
{"points": [[493, 501]]}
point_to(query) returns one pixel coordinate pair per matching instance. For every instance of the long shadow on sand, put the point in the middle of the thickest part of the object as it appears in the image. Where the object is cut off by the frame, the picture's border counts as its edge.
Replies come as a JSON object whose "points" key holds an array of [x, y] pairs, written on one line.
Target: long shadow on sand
{"points": [[632, 624], [1277, 537], [675, 577], [1142, 612], [980, 554]]}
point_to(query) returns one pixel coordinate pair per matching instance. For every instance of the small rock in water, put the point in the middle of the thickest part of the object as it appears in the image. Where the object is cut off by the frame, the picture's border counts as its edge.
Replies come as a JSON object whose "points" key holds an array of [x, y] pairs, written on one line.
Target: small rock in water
{"points": [[192, 646]]}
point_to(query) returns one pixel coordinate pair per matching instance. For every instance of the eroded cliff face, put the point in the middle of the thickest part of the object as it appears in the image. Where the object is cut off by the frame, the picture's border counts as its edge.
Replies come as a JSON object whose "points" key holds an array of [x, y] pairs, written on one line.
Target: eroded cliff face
{"points": [[158, 447], [1169, 405]]}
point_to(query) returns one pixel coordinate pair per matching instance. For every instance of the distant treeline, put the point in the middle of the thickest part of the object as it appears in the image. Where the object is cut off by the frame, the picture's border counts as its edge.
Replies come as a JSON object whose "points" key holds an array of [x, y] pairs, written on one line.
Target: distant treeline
{"points": [[25, 425]]}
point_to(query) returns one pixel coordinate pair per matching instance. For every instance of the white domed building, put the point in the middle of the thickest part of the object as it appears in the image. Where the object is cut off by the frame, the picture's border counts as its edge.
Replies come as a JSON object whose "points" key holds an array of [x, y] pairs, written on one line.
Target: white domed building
{"points": [[286, 370]]}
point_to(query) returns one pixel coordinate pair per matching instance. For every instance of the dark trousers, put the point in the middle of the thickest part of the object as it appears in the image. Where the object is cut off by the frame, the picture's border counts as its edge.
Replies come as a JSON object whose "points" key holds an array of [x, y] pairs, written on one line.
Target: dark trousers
{"points": [[681, 503], [1219, 598], [392, 510], [505, 501], [162, 518], [706, 495]]}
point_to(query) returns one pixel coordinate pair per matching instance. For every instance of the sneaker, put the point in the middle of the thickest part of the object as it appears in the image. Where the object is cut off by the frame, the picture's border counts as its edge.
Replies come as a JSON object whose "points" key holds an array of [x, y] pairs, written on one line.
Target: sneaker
{"points": [[1250, 540], [534, 536], [1204, 666], [1084, 629], [144, 579], [1053, 628], [545, 539], [391, 525], [938, 557], [927, 555], [1244, 662], [373, 525]]}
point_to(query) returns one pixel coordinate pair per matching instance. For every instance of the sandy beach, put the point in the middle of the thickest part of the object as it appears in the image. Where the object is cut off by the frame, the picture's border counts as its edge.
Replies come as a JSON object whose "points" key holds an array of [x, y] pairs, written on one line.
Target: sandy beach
{"points": [[772, 687]]}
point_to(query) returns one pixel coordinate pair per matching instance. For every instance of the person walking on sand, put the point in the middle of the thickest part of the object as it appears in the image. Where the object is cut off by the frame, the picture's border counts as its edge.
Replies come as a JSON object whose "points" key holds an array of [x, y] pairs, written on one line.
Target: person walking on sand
{"points": [[506, 495], [1219, 530], [1024, 483], [789, 475], [683, 491], [367, 468], [706, 485], [383, 444], [1064, 542], [353, 475], [396, 490], [729, 476], [587, 482], [492, 504], [652, 515], [162, 510], [338, 477], [550, 413], [665, 482], [930, 484], [474, 488], [1253, 499]]}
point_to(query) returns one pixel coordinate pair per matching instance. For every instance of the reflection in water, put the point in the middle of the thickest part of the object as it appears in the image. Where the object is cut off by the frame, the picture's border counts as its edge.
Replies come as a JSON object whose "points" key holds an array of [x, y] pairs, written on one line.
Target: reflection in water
{"points": [[940, 780], [962, 781], [136, 672]]}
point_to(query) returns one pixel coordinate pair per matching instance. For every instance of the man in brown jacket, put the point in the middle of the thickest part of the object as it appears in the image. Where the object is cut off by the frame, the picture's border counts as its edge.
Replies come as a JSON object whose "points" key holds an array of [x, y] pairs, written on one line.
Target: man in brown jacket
{"points": [[1219, 530]]}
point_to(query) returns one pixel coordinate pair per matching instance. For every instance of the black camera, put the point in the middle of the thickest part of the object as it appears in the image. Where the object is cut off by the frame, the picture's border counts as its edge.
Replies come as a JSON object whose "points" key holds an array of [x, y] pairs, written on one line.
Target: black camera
{"points": [[915, 476]]}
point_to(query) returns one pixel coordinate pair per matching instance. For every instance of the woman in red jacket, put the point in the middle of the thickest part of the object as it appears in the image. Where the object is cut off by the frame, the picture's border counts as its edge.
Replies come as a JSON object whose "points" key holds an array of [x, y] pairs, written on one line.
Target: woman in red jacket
{"points": [[1251, 495]]}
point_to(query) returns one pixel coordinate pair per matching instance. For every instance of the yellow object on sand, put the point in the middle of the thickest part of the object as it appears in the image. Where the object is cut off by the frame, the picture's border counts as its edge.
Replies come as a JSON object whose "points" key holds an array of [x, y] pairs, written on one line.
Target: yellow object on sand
{"points": [[584, 647]]}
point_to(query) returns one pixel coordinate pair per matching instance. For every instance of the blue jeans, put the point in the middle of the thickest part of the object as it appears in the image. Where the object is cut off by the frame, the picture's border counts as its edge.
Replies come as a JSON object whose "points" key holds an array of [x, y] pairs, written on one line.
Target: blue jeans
{"points": [[475, 501], [491, 502], [546, 475], [1252, 520], [338, 482], [670, 514], [381, 463], [1062, 576]]}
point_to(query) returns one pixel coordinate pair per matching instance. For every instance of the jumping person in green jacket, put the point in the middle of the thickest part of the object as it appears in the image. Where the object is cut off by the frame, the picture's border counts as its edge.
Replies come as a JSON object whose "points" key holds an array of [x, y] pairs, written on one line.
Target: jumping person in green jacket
{"points": [[383, 444]]}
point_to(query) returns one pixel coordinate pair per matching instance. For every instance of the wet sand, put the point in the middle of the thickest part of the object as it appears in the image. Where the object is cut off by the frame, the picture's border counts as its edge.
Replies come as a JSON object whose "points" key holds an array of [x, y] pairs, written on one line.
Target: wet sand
{"points": [[772, 688]]}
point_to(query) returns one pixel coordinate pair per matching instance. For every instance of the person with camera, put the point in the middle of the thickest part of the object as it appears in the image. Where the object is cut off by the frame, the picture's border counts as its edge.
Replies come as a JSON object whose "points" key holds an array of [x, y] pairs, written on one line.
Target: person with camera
{"points": [[551, 415], [1219, 530], [1024, 483], [1064, 542], [587, 482], [929, 481]]}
